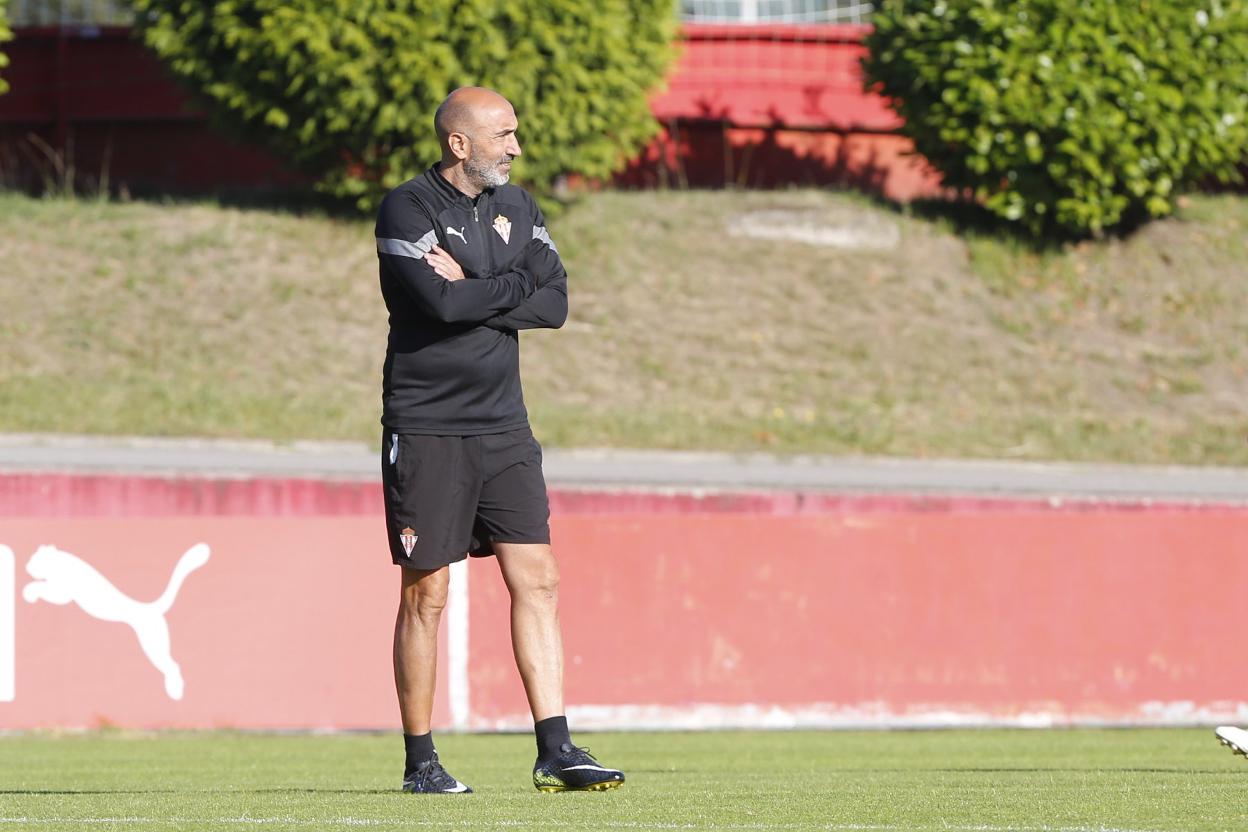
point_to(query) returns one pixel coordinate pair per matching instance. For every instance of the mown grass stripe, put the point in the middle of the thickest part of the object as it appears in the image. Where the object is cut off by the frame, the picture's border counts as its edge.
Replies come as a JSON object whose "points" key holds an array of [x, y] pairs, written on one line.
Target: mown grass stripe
{"points": [[503, 824]]}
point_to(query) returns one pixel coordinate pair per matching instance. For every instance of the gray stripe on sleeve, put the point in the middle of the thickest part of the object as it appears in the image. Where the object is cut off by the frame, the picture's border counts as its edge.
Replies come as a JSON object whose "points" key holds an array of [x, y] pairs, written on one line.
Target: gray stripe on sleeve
{"points": [[403, 248], [540, 233]]}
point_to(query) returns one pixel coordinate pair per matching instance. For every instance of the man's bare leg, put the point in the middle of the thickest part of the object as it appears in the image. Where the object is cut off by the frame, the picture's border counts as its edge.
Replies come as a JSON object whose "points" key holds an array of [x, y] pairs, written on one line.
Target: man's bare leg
{"points": [[532, 577], [416, 644], [415, 674]]}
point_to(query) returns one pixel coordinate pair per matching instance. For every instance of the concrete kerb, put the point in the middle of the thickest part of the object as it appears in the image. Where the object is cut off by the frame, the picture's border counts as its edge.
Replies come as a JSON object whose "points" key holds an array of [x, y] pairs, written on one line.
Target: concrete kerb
{"points": [[637, 469]]}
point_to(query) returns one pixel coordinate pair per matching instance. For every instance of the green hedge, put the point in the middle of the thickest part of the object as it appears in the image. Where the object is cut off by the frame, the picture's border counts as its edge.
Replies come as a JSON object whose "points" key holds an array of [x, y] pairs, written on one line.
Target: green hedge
{"points": [[1072, 116], [5, 34], [346, 89]]}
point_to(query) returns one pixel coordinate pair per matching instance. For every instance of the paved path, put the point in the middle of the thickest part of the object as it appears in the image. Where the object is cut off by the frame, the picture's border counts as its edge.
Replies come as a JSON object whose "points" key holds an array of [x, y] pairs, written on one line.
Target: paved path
{"points": [[634, 469]]}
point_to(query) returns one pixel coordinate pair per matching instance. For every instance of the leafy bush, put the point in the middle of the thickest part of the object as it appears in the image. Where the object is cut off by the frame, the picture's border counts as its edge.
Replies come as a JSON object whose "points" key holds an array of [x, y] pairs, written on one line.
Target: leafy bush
{"points": [[1068, 115], [347, 89], [5, 34]]}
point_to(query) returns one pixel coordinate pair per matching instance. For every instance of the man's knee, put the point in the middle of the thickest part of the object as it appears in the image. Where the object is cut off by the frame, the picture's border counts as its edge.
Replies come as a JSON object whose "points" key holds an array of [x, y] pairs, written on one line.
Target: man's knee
{"points": [[424, 593], [539, 579]]}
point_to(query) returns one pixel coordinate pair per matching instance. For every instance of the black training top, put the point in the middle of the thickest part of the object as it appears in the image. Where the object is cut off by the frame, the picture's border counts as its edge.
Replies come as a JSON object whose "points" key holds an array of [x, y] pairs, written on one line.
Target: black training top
{"points": [[453, 358]]}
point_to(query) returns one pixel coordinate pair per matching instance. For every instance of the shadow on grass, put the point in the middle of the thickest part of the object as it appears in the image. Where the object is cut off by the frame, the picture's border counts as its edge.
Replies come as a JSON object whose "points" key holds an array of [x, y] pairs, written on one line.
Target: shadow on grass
{"points": [[294, 201]]}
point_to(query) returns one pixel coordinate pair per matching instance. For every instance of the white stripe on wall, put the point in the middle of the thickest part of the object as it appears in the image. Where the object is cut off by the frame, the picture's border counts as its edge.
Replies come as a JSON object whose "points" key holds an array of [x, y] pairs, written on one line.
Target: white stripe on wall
{"points": [[8, 624], [457, 645], [819, 715]]}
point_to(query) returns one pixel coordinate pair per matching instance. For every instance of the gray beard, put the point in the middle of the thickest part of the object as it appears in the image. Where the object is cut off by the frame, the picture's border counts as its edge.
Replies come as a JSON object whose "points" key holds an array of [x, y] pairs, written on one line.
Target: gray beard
{"points": [[485, 175]]}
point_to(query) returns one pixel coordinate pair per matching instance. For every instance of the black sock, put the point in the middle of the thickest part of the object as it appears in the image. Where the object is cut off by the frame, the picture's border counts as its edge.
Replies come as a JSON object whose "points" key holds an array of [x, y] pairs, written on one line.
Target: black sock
{"points": [[551, 734], [419, 749]]}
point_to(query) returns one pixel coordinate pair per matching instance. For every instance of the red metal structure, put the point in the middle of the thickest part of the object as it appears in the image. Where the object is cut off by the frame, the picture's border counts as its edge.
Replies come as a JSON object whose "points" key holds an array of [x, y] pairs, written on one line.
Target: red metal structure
{"points": [[95, 99], [746, 105], [767, 105]]}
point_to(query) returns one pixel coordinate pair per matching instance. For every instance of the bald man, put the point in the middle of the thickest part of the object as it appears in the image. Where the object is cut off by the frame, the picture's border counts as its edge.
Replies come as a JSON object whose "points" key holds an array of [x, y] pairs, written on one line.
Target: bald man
{"points": [[467, 262]]}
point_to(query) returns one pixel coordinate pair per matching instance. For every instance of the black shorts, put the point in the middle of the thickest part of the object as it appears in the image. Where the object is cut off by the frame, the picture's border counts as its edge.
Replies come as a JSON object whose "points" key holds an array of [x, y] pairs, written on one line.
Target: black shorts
{"points": [[451, 496]]}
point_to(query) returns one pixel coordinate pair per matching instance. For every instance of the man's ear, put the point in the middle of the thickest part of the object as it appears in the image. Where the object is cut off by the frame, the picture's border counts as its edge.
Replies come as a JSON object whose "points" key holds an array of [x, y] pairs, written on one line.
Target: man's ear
{"points": [[458, 143]]}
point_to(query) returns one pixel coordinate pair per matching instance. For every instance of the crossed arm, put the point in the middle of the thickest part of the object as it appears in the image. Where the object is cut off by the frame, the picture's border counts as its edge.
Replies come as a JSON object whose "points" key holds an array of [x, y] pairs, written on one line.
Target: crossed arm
{"points": [[443, 293], [531, 295], [408, 245], [545, 308]]}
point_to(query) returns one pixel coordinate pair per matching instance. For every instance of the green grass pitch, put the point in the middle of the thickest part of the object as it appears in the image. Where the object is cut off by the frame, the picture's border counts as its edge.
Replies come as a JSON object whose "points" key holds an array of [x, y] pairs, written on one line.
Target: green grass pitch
{"points": [[953, 781]]}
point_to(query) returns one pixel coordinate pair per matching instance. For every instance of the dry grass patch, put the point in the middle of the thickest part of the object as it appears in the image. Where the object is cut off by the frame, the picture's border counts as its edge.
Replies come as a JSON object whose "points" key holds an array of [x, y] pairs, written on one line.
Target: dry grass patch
{"points": [[186, 319], [685, 332]]}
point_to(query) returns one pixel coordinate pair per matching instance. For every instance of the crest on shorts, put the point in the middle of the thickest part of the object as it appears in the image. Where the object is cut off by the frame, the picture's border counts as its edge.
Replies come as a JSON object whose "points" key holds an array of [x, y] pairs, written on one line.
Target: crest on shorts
{"points": [[408, 538], [503, 226]]}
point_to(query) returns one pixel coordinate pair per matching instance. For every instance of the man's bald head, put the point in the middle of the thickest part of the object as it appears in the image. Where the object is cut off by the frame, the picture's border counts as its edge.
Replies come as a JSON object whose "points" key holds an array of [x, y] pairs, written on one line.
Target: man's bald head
{"points": [[477, 130], [465, 109]]}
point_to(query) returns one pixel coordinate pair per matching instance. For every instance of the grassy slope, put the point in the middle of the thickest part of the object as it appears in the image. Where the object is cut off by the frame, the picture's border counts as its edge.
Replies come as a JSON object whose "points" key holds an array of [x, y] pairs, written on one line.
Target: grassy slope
{"points": [[193, 319], [956, 781]]}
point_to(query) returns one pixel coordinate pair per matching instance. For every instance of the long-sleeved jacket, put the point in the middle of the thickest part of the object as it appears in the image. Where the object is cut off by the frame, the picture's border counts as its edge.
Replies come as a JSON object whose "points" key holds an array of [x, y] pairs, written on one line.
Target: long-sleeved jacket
{"points": [[453, 356]]}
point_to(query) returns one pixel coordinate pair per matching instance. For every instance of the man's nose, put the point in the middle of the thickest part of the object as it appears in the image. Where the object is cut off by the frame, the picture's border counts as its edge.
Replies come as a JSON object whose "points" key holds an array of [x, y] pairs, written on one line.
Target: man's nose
{"points": [[513, 146]]}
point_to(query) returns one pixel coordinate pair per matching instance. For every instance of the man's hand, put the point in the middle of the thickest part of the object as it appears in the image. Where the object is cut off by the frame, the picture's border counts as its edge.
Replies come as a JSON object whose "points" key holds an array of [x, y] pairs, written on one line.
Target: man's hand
{"points": [[444, 264]]}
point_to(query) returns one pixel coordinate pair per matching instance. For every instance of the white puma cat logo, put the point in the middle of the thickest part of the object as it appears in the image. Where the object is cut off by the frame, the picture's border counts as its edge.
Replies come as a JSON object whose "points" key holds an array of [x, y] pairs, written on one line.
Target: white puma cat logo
{"points": [[62, 578], [459, 233]]}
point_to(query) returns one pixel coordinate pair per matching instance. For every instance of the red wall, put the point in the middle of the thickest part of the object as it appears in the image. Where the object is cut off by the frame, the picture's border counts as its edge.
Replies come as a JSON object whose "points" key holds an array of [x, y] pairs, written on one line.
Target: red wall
{"points": [[774, 75], [746, 105], [110, 108], [767, 105], [774, 609]]}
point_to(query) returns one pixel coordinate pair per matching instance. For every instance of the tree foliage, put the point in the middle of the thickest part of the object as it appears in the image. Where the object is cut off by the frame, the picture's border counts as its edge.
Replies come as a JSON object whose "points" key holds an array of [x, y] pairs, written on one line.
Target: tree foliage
{"points": [[347, 89], [1068, 115], [5, 34]]}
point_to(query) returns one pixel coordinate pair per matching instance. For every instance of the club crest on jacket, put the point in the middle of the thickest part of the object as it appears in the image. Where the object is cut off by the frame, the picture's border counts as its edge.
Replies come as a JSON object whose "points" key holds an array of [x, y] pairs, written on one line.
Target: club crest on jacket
{"points": [[503, 226]]}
